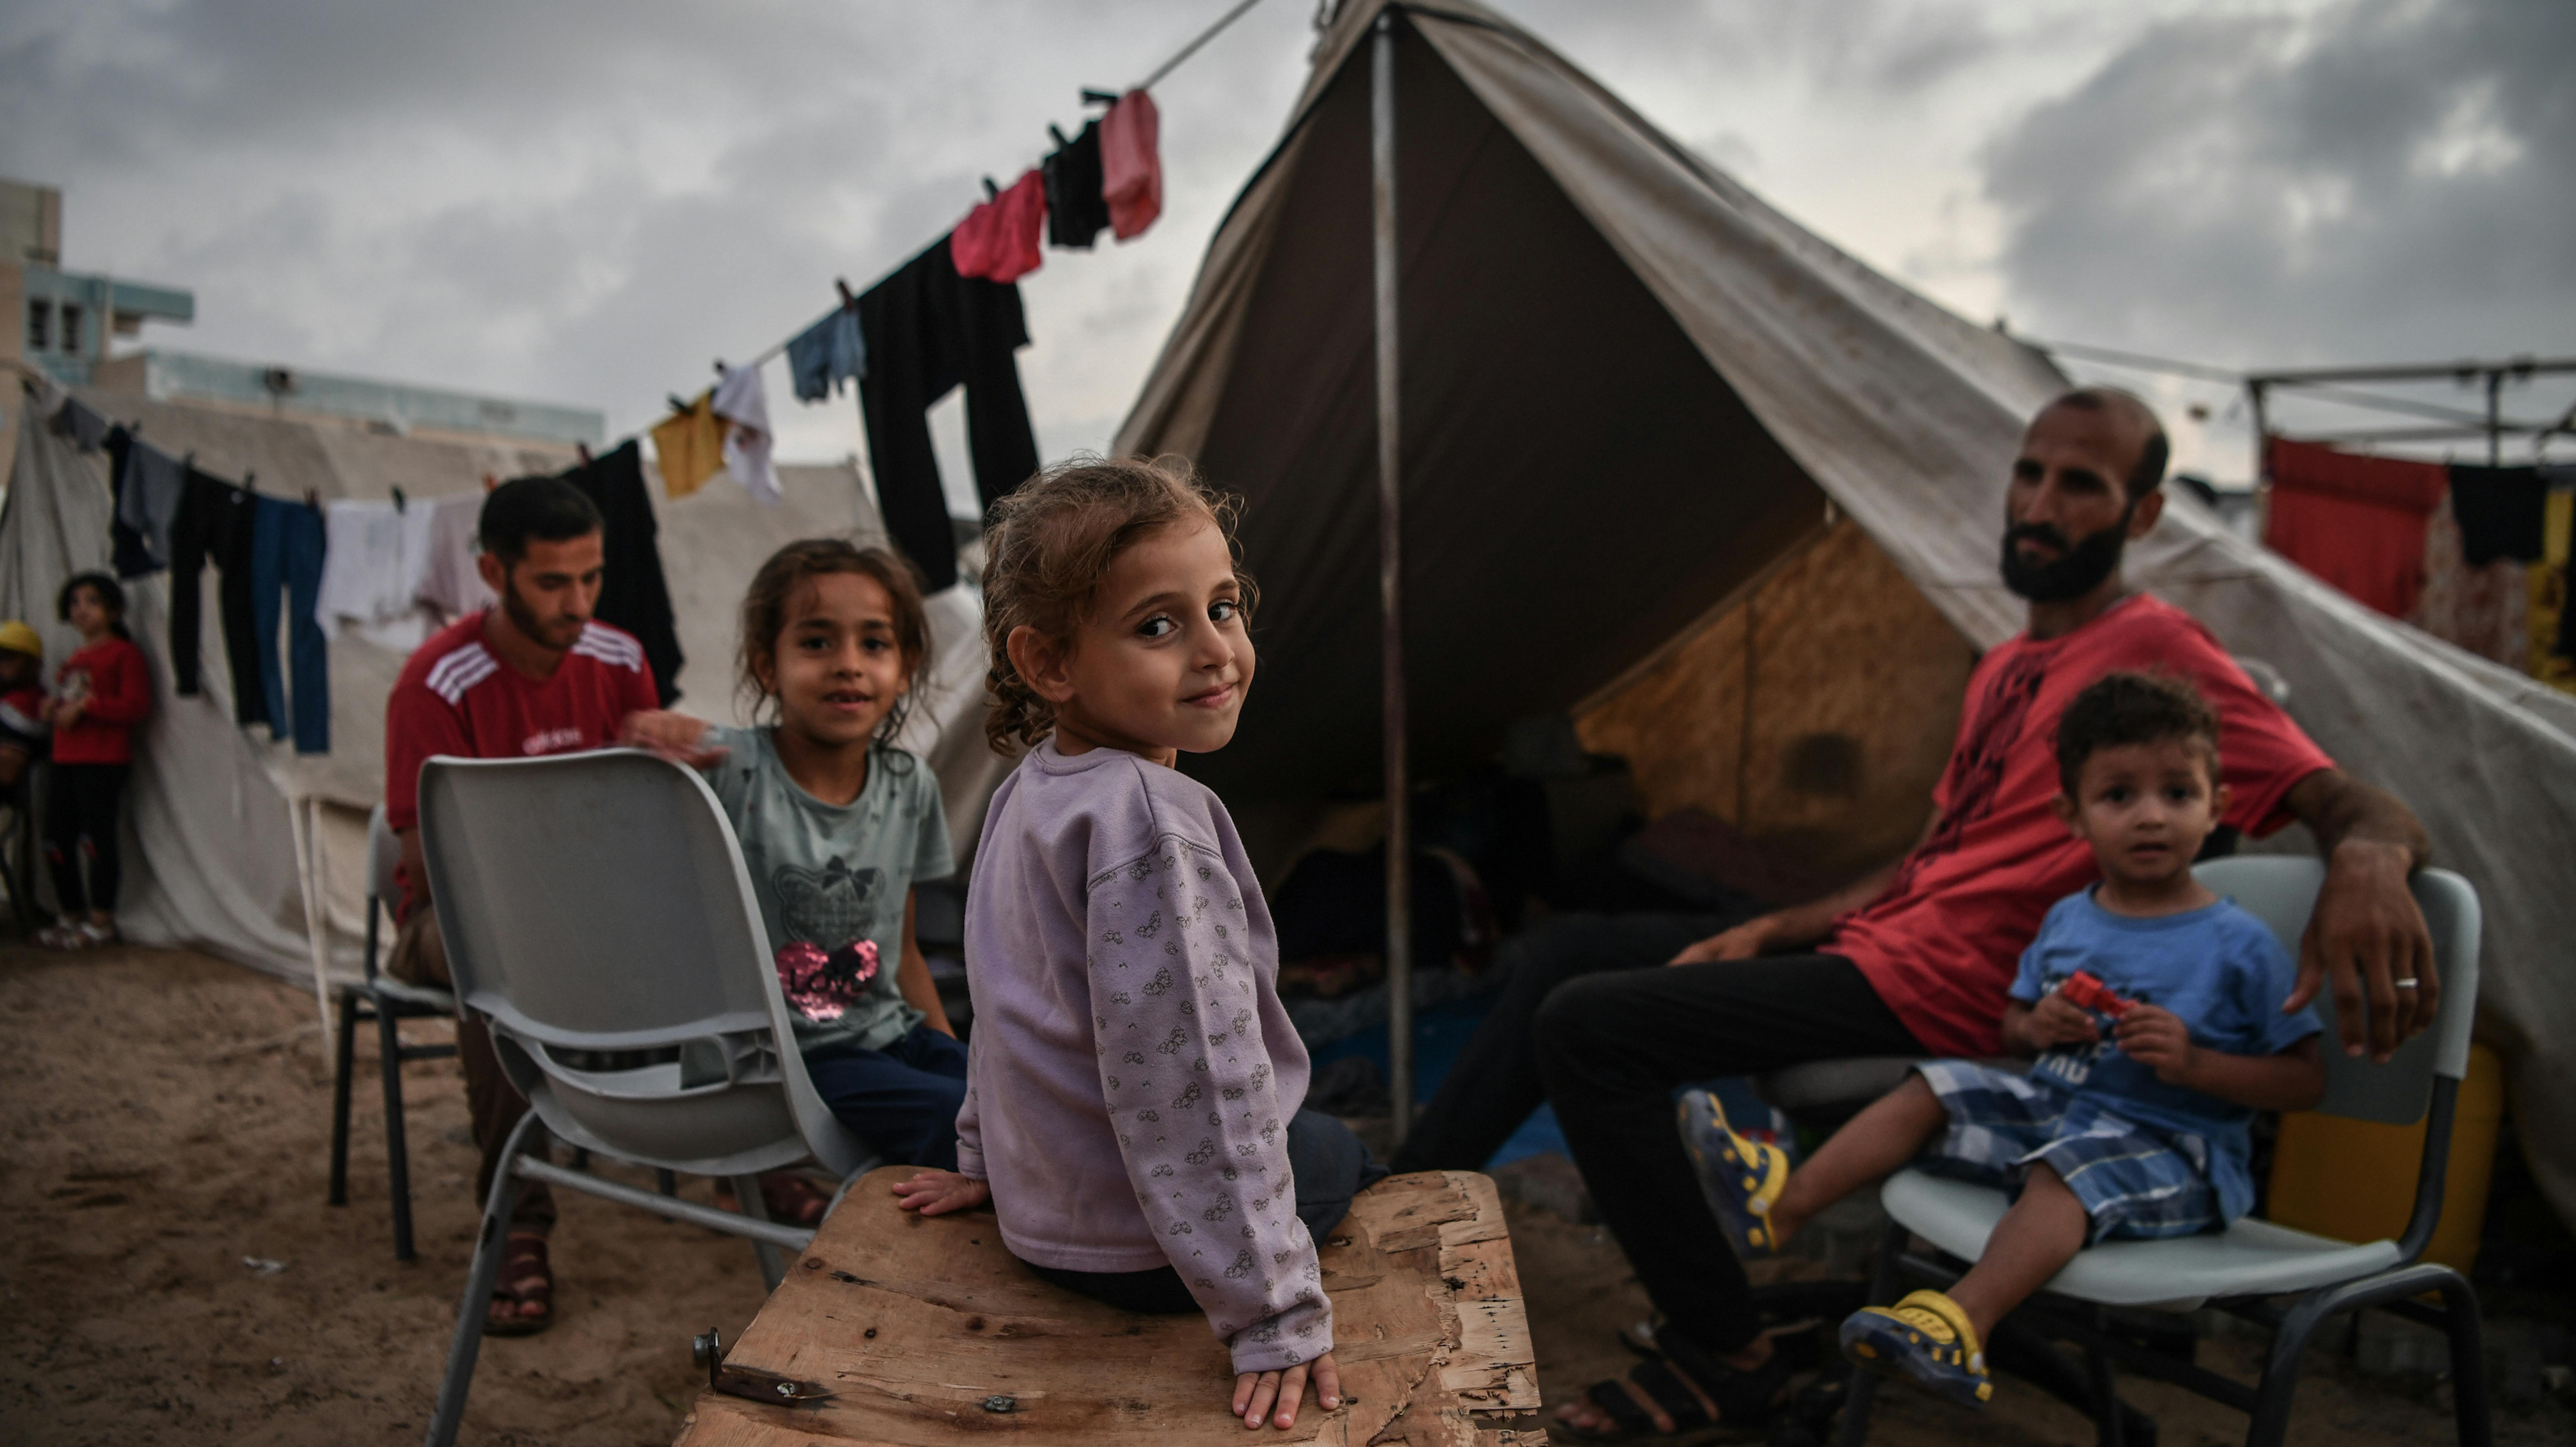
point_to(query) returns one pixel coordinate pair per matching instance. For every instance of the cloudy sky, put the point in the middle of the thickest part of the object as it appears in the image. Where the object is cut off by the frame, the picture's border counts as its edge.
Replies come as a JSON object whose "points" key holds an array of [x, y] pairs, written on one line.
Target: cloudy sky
{"points": [[589, 202]]}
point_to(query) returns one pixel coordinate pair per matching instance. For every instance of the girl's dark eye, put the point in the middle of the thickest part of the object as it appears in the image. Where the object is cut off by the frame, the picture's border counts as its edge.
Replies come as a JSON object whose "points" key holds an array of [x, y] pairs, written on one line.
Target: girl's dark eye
{"points": [[1157, 626], [1224, 610]]}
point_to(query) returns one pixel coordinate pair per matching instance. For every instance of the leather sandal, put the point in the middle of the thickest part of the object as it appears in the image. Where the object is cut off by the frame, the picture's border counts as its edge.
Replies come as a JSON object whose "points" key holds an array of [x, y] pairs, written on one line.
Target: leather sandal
{"points": [[526, 1280]]}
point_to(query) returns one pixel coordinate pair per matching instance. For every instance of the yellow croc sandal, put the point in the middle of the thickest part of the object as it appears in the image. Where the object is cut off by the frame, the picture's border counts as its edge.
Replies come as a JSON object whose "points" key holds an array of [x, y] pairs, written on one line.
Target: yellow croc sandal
{"points": [[1741, 1176], [1924, 1339]]}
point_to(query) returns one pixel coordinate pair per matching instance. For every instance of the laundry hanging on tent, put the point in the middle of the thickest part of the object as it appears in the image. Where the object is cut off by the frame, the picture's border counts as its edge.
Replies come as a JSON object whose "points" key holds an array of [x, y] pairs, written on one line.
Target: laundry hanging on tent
{"points": [[1076, 213], [215, 526], [375, 555], [148, 483], [287, 547], [998, 240], [80, 422], [2562, 558], [743, 403], [930, 330], [1131, 164], [633, 593], [2501, 511], [827, 353], [450, 579], [2484, 608], [688, 445], [2356, 522]]}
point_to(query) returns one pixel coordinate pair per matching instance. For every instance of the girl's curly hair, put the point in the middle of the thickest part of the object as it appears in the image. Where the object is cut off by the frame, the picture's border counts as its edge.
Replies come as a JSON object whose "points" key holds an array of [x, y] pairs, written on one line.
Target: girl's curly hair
{"points": [[1050, 545], [774, 588]]}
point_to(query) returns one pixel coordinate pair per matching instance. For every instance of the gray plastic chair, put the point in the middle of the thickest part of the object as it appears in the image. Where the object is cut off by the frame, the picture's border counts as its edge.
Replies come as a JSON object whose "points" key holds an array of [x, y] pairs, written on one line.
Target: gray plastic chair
{"points": [[2235, 1270], [597, 904], [386, 1001]]}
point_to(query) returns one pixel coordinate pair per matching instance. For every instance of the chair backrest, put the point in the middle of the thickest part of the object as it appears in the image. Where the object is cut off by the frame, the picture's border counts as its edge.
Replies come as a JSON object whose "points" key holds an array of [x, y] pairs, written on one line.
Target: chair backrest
{"points": [[2281, 891], [598, 903]]}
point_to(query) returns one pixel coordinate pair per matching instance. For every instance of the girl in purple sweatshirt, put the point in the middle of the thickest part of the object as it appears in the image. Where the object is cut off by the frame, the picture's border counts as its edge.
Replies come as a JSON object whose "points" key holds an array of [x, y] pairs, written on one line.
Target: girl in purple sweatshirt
{"points": [[1133, 1083]]}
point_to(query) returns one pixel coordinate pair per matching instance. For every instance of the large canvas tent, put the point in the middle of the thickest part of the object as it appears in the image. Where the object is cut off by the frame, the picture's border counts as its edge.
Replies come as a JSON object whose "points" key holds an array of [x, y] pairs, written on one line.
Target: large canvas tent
{"points": [[1681, 467], [213, 860]]}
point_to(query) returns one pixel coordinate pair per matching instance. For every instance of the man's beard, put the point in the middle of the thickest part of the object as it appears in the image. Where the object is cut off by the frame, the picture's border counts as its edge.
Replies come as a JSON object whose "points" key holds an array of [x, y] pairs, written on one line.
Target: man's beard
{"points": [[2077, 569], [524, 618]]}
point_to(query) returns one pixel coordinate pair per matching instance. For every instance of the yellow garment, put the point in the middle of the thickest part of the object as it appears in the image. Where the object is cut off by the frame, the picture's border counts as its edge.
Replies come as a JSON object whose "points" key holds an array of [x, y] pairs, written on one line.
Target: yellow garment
{"points": [[690, 447], [2548, 594], [17, 637]]}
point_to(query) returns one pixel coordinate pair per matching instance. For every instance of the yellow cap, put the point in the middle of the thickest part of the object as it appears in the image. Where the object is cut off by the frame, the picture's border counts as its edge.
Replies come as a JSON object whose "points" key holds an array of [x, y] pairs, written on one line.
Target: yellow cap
{"points": [[17, 637]]}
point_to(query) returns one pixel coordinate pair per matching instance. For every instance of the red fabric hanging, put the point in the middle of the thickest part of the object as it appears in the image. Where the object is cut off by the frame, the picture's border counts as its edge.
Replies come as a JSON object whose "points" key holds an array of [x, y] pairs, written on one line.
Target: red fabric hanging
{"points": [[1131, 164], [998, 241], [2356, 522]]}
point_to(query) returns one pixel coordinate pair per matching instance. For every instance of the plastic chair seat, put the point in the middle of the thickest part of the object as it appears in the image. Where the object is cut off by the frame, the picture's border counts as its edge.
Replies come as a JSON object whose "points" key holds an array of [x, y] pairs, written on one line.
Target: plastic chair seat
{"points": [[2250, 1258]]}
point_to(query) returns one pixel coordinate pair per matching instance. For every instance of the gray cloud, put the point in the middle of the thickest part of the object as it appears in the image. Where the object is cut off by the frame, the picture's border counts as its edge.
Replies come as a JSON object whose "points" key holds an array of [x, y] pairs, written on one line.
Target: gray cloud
{"points": [[2378, 180]]}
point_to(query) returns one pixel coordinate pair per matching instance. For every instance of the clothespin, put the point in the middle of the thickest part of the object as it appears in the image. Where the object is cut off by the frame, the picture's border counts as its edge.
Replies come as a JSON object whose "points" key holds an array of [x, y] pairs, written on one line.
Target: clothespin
{"points": [[991, 191], [1060, 141], [583, 448], [849, 299], [313, 499], [1092, 97], [401, 504], [490, 482], [683, 408]]}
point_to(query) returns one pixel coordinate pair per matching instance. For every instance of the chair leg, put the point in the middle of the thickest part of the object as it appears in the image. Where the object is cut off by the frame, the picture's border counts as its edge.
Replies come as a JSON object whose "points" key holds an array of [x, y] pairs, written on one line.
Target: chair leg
{"points": [[1863, 1391], [2462, 1318], [2107, 1427], [342, 1057], [665, 1182], [488, 1250], [397, 1143], [746, 1194]]}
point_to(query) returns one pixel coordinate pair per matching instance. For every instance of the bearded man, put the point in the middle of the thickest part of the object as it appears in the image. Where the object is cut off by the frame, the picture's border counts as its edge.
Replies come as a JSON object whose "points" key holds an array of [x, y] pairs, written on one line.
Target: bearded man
{"points": [[1914, 959]]}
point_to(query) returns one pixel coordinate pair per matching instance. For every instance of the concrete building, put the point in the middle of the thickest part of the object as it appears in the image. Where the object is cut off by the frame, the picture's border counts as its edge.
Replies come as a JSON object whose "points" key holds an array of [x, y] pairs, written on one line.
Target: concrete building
{"points": [[66, 322]]}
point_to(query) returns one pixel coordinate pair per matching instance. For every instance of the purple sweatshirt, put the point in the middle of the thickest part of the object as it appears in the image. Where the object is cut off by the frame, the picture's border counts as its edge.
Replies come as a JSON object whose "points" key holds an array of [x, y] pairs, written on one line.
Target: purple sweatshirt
{"points": [[1131, 1073]]}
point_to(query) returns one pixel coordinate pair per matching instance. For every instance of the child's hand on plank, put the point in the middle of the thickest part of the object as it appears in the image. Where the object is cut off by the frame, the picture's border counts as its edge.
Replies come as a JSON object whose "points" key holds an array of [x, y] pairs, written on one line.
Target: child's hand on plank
{"points": [[2160, 1041], [936, 1193], [1255, 1393]]}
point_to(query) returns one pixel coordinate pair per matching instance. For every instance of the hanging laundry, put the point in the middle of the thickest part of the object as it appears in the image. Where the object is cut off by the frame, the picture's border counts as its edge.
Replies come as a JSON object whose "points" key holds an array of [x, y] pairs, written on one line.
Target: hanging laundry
{"points": [[689, 446], [998, 240], [744, 405], [2356, 522], [286, 556], [127, 552], [76, 420], [2500, 511], [374, 557], [829, 352], [147, 483], [215, 526], [633, 594], [2485, 608], [930, 330], [1131, 164], [1075, 211], [450, 579]]}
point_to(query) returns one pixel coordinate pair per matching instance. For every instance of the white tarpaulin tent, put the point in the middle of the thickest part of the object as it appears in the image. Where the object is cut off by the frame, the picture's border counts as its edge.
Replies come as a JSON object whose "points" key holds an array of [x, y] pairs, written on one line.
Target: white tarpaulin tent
{"points": [[1631, 391], [213, 861]]}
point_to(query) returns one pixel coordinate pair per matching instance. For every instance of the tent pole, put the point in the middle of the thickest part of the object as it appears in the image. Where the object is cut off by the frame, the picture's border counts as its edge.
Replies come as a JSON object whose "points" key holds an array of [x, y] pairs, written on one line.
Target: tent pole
{"points": [[1390, 586]]}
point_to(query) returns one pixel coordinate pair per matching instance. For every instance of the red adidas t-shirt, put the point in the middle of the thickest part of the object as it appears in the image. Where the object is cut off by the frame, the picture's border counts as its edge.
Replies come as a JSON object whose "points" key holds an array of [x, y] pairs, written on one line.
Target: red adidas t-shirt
{"points": [[1941, 945], [457, 697]]}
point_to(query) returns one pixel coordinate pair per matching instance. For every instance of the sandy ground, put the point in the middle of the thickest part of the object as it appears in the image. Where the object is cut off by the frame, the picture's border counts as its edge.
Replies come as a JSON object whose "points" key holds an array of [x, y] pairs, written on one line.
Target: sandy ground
{"points": [[168, 1116]]}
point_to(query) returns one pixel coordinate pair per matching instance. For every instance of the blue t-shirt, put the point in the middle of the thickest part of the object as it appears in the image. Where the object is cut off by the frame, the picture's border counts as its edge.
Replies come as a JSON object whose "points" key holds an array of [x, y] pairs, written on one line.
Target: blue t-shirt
{"points": [[2218, 968]]}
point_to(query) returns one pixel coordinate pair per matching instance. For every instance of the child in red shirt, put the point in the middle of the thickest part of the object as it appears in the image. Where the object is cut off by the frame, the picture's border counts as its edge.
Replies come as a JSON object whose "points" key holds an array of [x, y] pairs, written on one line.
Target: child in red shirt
{"points": [[101, 692]]}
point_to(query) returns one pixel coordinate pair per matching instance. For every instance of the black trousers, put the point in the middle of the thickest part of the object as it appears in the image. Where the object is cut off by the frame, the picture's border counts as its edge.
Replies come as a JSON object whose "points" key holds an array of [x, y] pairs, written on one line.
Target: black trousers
{"points": [[1330, 1165], [1611, 1049], [80, 825], [1495, 1084]]}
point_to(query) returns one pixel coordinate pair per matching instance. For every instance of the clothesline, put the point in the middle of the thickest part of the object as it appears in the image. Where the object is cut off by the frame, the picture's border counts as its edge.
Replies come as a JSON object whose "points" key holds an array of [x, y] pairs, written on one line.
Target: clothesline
{"points": [[1152, 79]]}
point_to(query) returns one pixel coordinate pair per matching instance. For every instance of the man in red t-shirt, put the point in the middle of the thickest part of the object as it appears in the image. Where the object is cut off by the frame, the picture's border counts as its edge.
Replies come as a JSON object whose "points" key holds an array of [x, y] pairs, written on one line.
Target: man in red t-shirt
{"points": [[1916, 958], [534, 675]]}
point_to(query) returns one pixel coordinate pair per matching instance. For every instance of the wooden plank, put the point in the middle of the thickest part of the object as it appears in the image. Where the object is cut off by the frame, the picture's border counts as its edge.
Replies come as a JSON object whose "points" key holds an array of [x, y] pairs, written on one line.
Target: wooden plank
{"points": [[916, 1325]]}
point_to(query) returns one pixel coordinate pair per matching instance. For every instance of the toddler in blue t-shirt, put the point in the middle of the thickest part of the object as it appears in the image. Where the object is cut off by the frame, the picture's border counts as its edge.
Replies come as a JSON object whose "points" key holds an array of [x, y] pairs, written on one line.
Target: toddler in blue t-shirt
{"points": [[2154, 1009]]}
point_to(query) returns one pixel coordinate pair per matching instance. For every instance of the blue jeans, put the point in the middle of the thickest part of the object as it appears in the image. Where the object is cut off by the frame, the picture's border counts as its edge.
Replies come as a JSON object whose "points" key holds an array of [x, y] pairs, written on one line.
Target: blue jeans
{"points": [[286, 552], [902, 1100]]}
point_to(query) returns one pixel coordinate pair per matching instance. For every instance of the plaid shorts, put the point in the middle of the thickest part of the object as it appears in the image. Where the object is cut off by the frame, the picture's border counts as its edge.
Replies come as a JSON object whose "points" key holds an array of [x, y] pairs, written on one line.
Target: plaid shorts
{"points": [[2135, 1183]]}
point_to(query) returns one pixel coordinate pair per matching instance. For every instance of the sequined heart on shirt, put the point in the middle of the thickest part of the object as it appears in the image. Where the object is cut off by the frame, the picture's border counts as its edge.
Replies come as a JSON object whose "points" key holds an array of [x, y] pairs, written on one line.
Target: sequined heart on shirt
{"points": [[824, 986]]}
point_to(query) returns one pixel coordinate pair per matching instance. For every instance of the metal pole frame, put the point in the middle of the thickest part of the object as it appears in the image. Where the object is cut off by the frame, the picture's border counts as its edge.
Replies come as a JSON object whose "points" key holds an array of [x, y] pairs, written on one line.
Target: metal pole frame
{"points": [[1390, 582]]}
